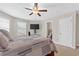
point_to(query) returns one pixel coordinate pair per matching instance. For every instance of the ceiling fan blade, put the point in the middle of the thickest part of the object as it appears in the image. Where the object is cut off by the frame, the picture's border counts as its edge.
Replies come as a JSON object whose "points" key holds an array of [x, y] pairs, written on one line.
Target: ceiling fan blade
{"points": [[28, 9], [38, 14], [42, 10], [31, 13], [35, 4]]}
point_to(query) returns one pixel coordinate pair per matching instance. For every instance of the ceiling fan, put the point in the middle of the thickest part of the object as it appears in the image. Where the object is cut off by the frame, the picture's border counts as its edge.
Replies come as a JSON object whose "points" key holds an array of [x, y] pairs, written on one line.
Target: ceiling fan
{"points": [[35, 10]]}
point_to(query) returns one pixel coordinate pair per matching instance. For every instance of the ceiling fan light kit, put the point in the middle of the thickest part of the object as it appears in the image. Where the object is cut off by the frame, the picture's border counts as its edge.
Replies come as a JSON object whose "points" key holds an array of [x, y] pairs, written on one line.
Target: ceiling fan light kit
{"points": [[35, 10]]}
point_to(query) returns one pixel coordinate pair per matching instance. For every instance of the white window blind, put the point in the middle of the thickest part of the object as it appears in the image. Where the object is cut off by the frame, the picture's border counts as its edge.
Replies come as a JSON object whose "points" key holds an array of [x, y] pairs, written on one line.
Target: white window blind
{"points": [[21, 28], [4, 24]]}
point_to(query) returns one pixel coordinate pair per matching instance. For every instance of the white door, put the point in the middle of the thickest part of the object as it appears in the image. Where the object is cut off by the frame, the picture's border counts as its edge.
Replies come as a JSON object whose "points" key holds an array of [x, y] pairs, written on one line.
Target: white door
{"points": [[65, 32]]}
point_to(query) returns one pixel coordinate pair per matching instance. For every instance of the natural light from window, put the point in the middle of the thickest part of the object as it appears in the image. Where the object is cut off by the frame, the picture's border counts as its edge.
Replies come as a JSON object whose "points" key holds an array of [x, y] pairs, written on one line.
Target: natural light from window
{"points": [[4, 24], [21, 28]]}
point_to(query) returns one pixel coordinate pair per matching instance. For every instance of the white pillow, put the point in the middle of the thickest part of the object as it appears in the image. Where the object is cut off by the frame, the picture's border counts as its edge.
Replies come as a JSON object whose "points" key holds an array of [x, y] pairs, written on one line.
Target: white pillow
{"points": [[6, 33], [4, 42]]}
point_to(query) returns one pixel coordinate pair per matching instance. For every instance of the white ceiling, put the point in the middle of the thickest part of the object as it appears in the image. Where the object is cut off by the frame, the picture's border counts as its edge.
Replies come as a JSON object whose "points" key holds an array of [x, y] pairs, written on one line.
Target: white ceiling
{"points": [[54, 9]]}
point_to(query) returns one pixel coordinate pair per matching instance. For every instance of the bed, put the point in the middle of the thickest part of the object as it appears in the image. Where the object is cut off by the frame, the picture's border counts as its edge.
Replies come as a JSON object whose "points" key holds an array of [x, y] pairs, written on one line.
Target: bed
{"points": [[30, 46]]}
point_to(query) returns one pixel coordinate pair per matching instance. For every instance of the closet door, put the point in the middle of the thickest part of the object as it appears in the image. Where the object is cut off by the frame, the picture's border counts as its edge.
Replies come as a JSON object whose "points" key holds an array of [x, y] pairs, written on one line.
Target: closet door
{"points": [[65, 31]]}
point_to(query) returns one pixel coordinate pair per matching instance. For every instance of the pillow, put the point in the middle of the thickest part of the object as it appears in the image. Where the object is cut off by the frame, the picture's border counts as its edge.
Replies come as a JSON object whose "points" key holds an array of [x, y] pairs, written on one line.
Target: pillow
{"points": [[6, 33], [4, 42]]}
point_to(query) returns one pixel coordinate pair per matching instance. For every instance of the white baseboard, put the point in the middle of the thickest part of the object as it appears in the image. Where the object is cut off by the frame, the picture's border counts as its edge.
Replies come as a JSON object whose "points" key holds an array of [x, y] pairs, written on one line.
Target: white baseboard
{"points": [[59, 43]]}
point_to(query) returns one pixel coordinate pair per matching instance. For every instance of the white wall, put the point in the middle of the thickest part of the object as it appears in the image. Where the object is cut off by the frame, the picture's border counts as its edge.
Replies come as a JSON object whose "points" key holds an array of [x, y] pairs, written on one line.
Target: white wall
{"points": [[62, 36], [34, 22]]}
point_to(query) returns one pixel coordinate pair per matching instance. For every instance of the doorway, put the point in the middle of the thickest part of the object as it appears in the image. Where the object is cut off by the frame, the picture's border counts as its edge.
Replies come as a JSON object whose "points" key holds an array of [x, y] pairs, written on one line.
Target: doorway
{"points": [[49, 30]]}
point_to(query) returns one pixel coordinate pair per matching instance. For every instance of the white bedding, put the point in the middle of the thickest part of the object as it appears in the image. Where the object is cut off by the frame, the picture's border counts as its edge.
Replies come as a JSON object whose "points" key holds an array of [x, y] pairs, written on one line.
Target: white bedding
{"points": [[29, 46]]}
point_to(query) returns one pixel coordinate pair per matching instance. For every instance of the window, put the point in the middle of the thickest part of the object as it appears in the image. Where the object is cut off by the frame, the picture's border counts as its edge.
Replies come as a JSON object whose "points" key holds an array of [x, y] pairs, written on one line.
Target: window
{"points": [[21, 28], [4, 24]]}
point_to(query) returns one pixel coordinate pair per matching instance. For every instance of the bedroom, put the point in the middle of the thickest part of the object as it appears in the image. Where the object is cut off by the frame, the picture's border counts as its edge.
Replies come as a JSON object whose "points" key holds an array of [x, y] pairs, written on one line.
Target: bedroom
{"points": [[60, 19]]}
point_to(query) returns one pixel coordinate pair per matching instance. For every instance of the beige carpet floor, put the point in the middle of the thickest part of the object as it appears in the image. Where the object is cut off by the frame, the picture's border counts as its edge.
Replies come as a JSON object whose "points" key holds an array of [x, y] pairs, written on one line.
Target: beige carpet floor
{"points": [[66, 51]]}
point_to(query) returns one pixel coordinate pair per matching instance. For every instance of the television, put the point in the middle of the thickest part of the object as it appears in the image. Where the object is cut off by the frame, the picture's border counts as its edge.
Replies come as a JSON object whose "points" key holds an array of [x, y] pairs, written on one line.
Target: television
{"points": [[34, 26]]}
